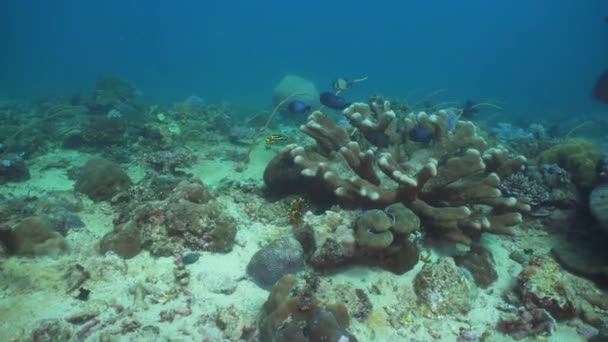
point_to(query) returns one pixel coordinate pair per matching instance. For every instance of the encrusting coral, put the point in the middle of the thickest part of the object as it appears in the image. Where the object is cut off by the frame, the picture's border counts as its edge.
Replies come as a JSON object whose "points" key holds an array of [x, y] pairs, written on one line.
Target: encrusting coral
{"points": [[577, 156], [451, 184]]}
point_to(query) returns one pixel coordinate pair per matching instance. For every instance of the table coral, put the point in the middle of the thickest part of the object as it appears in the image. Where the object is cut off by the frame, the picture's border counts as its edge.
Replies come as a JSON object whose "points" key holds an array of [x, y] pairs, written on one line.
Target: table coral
{"points": [[451, 185]]}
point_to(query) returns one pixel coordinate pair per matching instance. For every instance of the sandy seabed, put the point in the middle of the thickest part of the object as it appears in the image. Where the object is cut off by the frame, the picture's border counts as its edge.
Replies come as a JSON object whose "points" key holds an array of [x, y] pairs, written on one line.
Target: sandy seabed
{"points": [[129, 297]]}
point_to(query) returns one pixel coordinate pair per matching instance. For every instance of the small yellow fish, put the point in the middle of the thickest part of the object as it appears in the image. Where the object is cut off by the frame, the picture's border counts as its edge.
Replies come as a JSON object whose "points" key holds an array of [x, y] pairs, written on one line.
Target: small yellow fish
{"points": [[274, 138], [341, 84]]}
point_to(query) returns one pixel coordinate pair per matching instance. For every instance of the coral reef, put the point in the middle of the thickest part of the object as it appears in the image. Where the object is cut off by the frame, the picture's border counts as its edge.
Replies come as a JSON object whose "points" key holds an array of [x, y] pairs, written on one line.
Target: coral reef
{"points": [[167, 162], [527, 323], [104, 131], [521, 185], [451, 185], [443, 288], [273, 261], [505, 131], [480, 263], [32, 236], [579, 157], [544, 185], [60, 210], [101, 179], [112, 93], [187, 218], [290, 314], [376, 237]]}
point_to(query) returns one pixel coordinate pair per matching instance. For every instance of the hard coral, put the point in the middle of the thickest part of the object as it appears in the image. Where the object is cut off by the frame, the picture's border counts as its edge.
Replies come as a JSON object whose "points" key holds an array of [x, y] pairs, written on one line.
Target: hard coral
{"points": [[187, 218], [452, 186], [521, 185], [292, 315], [577, 156], [527, 323], [375, 237], [167, 162], [443, 287], [33, 236], [543, 285], [101, 179], [104, 131], [272, 262]]}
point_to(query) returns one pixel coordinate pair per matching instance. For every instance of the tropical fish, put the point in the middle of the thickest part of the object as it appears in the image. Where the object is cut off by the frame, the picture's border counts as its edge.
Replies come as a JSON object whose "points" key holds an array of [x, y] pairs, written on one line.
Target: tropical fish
{"points": [[274, 138], [333, 101], [341, 84], [600, 90], [298, 107], [421, 135]]}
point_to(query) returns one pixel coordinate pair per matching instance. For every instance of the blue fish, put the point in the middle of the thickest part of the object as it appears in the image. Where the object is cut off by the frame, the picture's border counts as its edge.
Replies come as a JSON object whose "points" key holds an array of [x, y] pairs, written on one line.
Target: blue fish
{"points": [[333, 101], [298, 107], [421, 135]]}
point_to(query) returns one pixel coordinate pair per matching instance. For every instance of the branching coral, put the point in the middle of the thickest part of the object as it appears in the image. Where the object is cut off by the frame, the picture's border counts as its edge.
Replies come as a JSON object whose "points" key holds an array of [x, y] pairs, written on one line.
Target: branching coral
{"points": [[451, 185]]}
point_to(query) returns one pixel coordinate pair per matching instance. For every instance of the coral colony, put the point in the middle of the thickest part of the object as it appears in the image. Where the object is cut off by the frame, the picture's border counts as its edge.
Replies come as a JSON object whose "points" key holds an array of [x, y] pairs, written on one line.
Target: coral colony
{"points": [[368, 220]]}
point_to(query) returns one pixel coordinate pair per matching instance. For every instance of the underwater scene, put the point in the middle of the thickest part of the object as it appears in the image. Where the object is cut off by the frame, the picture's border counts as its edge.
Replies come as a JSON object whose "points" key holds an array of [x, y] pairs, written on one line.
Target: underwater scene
{"points": [[321, 171]]}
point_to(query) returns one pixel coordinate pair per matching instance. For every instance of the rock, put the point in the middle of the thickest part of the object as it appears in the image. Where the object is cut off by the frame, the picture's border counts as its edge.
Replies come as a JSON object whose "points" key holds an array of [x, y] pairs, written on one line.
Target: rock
{"points": [[33, 236], [101, 179], [480, 263], [443, 287], [124, 241], [584, 257], [598, 204], [333, 237], [542, 285], [13, 169]]}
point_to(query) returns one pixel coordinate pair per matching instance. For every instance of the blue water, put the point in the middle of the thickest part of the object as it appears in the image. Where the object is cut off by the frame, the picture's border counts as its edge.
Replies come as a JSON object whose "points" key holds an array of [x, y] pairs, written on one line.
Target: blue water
{"points": [[536, 57]]}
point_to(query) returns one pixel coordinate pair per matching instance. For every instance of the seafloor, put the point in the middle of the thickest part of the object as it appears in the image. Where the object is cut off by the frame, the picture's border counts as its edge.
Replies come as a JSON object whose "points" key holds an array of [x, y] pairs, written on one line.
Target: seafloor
{"points": [[135, 299]]}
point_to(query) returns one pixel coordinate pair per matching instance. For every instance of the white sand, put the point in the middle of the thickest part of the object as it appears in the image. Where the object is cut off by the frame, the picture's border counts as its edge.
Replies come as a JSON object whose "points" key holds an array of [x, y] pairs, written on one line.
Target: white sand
{"points": [[33, 289]]}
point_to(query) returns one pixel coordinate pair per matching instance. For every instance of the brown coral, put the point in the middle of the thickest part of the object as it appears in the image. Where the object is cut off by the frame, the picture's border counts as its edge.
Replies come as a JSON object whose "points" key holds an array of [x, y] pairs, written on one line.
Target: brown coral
{"points": [[452, 186], [188, 218]]}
